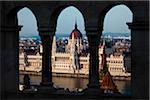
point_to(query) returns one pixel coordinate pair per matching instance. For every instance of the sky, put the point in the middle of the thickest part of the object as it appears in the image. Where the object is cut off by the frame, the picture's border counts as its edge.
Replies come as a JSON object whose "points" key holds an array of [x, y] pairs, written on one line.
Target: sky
{"points": [[114, 22]]}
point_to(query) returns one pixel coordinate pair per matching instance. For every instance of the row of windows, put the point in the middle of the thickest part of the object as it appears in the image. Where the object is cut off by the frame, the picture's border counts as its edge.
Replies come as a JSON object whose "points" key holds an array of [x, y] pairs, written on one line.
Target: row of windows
{"points": [[65, 59], [83, 61], [115, 61], [60, 59], [22, 59], [35, 64], [65, 66], [116, 69]]}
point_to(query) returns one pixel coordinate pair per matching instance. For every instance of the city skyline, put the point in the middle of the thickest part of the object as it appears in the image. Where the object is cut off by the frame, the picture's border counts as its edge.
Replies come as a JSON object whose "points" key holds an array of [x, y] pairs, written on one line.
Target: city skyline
{"points": [[66, 24], [65, 60]]}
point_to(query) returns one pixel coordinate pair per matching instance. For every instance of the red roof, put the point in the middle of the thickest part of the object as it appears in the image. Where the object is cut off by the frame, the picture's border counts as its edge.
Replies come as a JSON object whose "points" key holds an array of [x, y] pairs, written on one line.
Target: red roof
{"points": [[108, 83], [77, 34]]}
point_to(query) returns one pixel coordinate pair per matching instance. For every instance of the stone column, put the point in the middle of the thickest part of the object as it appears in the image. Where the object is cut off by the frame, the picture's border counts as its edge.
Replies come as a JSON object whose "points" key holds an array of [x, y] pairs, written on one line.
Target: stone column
{"points": [[94, 40], [9, 59], [140, 59], [46, 38]]}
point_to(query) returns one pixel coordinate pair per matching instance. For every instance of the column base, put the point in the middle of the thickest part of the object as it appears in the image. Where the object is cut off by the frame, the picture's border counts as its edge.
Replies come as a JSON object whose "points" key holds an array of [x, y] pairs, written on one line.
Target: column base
{"points": [[93, 86], [47, 84], [46, 87], [93, 89]]}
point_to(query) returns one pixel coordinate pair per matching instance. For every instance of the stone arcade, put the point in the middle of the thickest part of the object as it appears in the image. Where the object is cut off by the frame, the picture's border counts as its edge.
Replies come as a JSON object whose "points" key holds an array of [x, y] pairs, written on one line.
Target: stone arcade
{"points": [[94, 12]]}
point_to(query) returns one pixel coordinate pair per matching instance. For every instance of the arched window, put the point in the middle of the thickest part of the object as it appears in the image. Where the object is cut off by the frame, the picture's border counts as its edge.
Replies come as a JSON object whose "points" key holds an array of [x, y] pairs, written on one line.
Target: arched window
{"points": [[68, 39], [116, 29], [29, 43]]}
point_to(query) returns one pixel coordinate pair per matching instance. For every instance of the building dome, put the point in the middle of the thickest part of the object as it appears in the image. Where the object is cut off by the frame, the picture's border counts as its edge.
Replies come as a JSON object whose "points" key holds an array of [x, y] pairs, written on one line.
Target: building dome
{"points": [[76, 33]]}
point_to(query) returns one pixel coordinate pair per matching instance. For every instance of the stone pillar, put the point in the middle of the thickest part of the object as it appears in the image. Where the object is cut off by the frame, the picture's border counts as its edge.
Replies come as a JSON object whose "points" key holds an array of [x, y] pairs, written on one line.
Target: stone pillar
{"points": [[9, 59], [94, 40], [47, 39], [140, 59]]}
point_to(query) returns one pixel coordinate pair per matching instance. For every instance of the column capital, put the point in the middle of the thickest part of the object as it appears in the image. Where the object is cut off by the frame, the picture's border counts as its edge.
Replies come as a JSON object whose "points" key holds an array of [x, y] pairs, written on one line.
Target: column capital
{"points": [[44, 35], [46, 30], [10, 28], [93, 29], [46, 38], [138, 25]]}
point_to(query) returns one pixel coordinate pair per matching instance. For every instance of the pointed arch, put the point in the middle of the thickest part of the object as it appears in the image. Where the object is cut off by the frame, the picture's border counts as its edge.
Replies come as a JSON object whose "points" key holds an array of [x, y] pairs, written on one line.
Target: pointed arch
{"points": [[116, 15], [69, 19], [70, 15], [29, 21], [109, 7], [113, 20], [57, 11]]}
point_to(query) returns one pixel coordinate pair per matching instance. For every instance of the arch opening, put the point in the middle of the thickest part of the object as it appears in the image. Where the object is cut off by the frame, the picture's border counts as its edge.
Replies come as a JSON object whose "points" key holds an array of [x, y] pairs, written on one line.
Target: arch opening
{"points": [[69, 50], [115, 48], [30, 58]]}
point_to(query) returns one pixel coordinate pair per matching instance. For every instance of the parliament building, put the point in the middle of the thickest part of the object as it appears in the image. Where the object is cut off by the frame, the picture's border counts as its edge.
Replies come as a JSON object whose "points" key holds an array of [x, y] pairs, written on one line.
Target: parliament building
{"points": [[73, 59]]}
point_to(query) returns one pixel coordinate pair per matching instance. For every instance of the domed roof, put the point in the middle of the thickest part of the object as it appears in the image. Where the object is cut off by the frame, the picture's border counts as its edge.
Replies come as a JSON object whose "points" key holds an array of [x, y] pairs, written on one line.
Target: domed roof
{"points": [[76, 33]]}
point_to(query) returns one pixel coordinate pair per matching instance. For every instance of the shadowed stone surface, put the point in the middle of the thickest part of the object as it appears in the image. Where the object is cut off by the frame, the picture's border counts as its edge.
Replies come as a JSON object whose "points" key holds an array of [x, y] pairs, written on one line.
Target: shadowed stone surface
{"points": [[46, 13]]}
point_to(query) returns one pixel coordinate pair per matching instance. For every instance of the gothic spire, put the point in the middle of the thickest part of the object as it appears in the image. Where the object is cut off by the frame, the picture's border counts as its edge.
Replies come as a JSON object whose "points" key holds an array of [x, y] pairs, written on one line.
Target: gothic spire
{"points": [[103, 42], [103, 64], [75, 24]]}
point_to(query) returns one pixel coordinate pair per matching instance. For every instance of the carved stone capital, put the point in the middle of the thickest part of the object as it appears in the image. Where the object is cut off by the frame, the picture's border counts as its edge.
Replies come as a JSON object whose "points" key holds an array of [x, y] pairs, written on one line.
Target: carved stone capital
{"points": [[11, 28], [93, 29], [46, 30], [138, 26], [46, 33]]}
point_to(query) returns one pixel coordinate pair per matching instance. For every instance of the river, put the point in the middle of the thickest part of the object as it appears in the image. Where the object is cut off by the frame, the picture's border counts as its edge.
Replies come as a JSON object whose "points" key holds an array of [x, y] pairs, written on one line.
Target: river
{"points": [[72, 83]]}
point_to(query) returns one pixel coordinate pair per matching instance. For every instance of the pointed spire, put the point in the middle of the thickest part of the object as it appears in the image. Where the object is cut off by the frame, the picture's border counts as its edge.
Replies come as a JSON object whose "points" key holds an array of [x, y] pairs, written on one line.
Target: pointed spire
{"points": [[73, 38], [54, 45], [103, 64], [103, 42], [108, 83], [38, 53], [54, 39], [75, 24]]}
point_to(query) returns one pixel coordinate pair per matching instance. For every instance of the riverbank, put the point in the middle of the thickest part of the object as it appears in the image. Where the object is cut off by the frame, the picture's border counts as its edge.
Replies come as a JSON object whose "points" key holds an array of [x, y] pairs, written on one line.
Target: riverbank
{"points": [[33, 73]]}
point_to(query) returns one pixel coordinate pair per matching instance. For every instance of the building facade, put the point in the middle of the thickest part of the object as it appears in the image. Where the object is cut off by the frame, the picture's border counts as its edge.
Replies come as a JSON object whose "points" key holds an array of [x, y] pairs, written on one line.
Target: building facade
{"points": [[74, 58]]}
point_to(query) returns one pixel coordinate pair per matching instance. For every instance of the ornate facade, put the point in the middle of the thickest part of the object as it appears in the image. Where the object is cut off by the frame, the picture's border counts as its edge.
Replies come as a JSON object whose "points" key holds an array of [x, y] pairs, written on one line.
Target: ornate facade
{"points": [[75, 59]]}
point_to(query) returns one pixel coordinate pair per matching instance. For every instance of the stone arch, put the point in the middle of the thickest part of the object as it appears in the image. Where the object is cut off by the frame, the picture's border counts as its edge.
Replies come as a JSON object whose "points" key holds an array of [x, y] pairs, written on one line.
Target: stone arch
{"points": [[108, 8], [124, 7], [11, 22], [33, 19], [75, 18], [57, 11], [140, 43], [12, 14]]}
